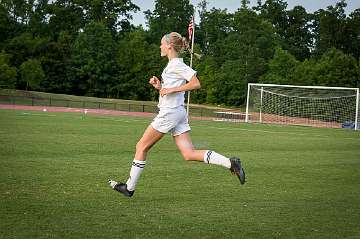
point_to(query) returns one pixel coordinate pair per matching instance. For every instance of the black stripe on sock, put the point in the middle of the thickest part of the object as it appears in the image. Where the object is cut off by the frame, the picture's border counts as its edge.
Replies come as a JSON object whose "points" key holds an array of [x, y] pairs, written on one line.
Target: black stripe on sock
{"points": [[208, 156], [139, 165]]}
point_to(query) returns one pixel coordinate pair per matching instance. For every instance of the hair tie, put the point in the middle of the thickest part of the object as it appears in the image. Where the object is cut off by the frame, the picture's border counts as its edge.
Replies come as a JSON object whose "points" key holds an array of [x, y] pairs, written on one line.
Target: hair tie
{"points": [[167, 38]]}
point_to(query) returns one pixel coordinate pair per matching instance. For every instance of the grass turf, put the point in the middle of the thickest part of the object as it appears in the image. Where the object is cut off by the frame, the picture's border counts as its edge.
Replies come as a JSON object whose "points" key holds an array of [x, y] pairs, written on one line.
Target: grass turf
{"points": [[301, 182]]}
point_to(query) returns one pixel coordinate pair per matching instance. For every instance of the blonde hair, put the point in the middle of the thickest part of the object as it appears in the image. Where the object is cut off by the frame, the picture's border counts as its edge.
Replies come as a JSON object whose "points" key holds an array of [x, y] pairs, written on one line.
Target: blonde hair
{"points": [[178, 42]]}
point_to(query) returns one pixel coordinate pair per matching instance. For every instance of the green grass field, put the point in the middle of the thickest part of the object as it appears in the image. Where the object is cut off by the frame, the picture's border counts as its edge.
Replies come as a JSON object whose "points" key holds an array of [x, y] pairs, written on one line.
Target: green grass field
{"points": [[301, 182]]}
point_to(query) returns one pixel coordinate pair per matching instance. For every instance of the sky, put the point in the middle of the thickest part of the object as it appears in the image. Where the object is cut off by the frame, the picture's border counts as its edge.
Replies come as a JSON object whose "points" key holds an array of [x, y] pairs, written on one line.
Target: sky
{"points": [[233, 5]]}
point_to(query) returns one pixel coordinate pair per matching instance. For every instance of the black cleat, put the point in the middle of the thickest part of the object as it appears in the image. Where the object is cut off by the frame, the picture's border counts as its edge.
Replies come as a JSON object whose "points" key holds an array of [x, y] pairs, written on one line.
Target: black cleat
{"points": [[237, 170], [122, 188]]}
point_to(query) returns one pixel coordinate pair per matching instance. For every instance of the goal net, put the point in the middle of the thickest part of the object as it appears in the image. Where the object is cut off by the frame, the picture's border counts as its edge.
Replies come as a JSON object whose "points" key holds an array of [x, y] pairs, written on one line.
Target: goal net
{"points": [[333, 107]]}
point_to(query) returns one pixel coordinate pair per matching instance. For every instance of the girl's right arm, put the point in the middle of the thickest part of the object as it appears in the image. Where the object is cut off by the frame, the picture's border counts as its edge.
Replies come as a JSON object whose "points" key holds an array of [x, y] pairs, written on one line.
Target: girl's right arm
{"points": [[193, 84], [155, 82]]}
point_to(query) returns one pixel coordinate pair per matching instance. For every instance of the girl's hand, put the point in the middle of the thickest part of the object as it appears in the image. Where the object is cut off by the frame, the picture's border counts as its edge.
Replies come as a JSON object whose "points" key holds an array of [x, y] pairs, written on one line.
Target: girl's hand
{"points": [[155, 82], [166, 91]]}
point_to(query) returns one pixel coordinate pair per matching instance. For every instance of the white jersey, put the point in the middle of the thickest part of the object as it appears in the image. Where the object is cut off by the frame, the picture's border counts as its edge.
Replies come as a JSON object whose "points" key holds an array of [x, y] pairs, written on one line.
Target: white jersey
{"points": [[175, 74]]}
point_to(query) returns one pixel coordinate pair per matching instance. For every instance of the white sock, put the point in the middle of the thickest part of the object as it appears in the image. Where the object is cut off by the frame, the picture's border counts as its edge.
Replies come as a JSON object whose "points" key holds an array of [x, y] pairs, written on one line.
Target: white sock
{"points": [[212, 157], [135, 172]]}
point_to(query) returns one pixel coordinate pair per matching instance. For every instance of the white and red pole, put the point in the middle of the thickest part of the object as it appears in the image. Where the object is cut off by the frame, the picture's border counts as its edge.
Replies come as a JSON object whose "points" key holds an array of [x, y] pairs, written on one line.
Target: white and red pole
{"points": [[192, 36]]}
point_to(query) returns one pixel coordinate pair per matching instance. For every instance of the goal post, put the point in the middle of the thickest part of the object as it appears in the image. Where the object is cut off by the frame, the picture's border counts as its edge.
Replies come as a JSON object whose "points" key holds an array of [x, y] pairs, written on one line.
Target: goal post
{"points": [[319, 106]]}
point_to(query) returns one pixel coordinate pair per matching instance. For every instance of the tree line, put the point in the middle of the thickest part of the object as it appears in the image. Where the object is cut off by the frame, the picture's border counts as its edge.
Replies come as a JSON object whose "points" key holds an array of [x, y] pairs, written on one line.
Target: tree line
{"points": [[90, 47]]}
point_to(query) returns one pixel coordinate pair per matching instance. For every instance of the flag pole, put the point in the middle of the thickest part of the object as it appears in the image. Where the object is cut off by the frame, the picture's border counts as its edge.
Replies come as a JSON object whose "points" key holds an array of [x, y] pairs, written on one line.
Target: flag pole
{"points": [[191, 58]]}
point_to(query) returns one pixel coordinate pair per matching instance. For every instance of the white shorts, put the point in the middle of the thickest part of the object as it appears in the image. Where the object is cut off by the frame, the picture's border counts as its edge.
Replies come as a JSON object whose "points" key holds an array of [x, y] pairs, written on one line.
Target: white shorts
{"points": [[171, 120]]}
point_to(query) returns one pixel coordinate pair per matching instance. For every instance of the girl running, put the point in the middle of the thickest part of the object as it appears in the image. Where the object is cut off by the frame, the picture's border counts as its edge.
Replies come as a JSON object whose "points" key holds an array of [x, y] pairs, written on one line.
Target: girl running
{"points": [[177, 78]]}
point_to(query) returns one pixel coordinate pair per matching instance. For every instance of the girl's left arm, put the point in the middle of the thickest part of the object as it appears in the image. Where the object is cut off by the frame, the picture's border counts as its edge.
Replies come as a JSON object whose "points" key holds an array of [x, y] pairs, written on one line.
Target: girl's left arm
{"points": [[193, 84]]}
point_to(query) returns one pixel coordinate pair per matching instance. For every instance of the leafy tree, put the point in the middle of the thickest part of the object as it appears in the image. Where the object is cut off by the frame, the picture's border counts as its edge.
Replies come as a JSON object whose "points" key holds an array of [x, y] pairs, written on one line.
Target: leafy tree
{"points": [[114, 14], [214, 28], [27, 16], [37, 24], [206, 70], [56, 64], [337, 69], [293, 27], [275, 12], [73, 15], [281, 68], [245, 4], [255, 35], [334, 68], [137, 61], [65, 16], [19, 11], [245, 52], [358, 73], [8, 27], [93, 61], [32, 73], [168, 16], [7, 73], [330, 28], [353, 33], [24, 47], [230, 85], [305, 73], [298, 36]]}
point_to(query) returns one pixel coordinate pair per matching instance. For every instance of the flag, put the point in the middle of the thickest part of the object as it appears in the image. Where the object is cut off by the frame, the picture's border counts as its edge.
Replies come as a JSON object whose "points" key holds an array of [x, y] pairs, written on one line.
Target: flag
{"points": [[191, 28]]}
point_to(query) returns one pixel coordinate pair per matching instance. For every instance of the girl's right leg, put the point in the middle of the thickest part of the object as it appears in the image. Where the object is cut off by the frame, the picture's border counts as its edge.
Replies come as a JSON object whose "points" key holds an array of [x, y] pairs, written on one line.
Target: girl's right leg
{"points": [[149, 139], [184, 144]]}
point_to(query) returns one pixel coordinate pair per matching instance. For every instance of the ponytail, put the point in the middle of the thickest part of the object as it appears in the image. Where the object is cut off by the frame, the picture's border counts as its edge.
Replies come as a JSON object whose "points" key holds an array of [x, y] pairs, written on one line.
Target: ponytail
{"points": [[179, 43], [186, 45]]}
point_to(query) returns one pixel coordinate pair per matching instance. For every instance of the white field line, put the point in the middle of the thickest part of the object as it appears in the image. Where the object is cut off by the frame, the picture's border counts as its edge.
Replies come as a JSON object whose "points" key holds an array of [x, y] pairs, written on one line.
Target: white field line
{"points": [[277, 132], [84, 117], [30, 114]]}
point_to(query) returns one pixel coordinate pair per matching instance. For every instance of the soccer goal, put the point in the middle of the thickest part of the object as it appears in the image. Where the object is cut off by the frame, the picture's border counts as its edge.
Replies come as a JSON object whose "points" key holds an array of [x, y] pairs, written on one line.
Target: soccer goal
{"points": [[318, 106]]}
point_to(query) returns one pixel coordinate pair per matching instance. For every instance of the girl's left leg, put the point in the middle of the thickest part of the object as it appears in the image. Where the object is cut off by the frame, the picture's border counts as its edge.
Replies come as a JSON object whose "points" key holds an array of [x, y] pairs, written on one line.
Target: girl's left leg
{"points": [[150, 137]]}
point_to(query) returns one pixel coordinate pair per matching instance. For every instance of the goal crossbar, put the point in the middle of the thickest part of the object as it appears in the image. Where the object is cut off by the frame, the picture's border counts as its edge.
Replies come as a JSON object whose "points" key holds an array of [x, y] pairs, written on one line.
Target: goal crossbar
{"points": [[304, 86]]}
